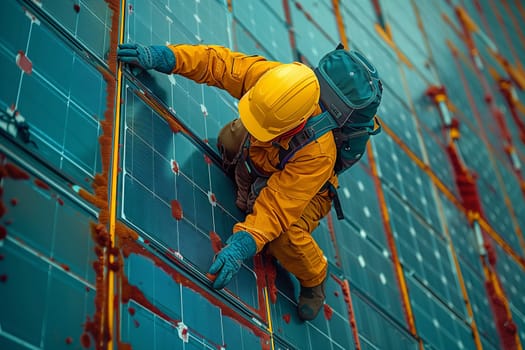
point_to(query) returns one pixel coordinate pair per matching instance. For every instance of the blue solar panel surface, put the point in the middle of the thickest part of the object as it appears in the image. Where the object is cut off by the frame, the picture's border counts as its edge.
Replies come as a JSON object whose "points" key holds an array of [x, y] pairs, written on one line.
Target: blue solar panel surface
{"points": [[406, 267]]}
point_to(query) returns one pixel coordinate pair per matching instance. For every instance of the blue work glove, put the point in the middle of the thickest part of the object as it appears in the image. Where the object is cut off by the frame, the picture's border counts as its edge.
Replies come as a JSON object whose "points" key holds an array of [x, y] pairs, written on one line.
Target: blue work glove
{"points": [[239, 246], [160, 58]]}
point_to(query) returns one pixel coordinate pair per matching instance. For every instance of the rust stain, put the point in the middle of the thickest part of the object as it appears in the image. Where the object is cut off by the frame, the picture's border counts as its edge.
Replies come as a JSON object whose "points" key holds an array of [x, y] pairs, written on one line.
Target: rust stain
{"points": [[124, 346], [270, 270], [491, 252], [24, 63], [174, 126], [85, 340], [3, 232], [114, 266], [105, 146], [3, 209], [211, 277], [216, 242], [131, 292], [15, 172], [176, 210], [345, 286], [184, 332], [505, 325], [42, 184], [212, 198], [124, 233], [95, 327], [116, 301], [175, 167], [97, 202], [328, 312], [258, 265], [100, 235], [287, 318]]}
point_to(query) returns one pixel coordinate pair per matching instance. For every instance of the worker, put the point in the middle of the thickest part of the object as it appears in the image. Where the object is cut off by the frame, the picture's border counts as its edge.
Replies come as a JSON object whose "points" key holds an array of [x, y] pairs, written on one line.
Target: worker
{"points": [[275, 102]]}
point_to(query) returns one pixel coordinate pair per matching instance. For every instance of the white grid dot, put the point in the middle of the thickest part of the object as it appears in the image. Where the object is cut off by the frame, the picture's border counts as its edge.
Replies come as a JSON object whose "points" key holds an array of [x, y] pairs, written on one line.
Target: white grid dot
{"points": [[362, 261]]}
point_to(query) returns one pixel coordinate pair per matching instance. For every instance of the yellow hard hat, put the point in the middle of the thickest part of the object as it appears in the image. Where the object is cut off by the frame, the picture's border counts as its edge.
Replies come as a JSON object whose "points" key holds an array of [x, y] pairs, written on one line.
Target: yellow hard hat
{"points": [[282, 98]]}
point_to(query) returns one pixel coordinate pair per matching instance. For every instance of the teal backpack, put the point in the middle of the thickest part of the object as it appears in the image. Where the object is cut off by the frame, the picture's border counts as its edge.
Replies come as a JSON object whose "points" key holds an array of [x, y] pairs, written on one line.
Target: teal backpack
{"points": [[350, 95]]}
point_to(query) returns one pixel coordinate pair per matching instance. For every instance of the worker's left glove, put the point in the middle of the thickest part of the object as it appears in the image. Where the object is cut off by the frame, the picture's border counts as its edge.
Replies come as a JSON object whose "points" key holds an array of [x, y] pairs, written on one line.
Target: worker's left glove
{"points": [[160, 58], [239, 246]]}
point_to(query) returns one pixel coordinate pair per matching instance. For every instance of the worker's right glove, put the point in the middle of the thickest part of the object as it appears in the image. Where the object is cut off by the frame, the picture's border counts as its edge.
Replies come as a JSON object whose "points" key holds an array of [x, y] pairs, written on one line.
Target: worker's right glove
{"points": [[160, 58], [239, 246]]}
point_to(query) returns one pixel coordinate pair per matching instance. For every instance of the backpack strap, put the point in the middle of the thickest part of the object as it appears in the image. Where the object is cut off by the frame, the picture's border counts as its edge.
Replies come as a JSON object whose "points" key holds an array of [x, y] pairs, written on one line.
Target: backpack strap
{"points": [[315, 127], [335, 199], [245, 158], [318, 126]]}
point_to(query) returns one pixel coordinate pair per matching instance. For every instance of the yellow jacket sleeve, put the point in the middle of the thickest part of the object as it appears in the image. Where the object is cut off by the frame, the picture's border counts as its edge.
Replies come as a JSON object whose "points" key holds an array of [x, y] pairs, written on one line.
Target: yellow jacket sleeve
{"points": [[218, 66], [288, 192]]}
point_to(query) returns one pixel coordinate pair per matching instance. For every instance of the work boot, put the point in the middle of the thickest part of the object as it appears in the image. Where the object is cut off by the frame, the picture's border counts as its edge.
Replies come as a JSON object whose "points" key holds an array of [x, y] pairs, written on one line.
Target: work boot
{"points": [[311, 300]]}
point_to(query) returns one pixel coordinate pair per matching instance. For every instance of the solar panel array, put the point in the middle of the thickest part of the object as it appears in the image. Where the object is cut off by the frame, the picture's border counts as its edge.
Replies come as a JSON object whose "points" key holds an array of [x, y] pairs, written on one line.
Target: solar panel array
{"points": [[111, 203]]}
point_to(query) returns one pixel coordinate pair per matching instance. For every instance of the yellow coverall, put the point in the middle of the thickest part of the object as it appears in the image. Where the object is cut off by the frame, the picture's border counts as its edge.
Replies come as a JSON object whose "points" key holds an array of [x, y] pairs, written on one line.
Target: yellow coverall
{"points": [[289, 208]]}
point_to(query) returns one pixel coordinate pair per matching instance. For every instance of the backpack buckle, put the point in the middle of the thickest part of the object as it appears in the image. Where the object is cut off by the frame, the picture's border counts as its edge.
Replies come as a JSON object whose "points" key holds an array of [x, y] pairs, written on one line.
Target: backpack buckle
{"points": [[305, 136]]}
